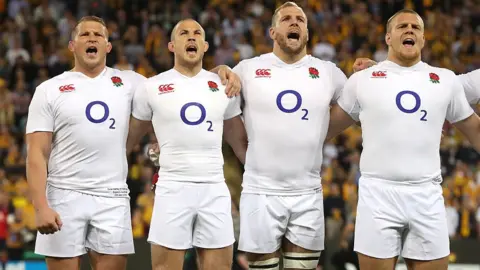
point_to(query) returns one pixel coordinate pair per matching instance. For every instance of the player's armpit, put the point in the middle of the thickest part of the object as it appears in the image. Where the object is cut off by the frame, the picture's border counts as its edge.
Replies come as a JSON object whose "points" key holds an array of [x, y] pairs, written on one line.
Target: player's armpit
{"points": [[339, 121], [39, 146], [137, 130], [470, 127], [236, 136]]}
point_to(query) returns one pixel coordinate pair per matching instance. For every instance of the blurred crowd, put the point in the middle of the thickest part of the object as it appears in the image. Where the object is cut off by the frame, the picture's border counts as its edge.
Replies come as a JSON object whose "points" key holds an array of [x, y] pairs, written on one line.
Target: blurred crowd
{"points": [[33, 48]]}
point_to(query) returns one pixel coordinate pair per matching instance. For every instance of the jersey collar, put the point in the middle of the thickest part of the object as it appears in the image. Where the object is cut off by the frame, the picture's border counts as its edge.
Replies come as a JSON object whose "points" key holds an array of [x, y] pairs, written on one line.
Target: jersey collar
{"points": [[99, 76], [279, 63], [418, 66]]}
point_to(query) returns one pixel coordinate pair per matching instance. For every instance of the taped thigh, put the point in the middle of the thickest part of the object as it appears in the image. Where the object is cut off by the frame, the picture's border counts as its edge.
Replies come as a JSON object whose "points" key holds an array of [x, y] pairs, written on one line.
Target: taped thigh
{"points": [[295, 260]]}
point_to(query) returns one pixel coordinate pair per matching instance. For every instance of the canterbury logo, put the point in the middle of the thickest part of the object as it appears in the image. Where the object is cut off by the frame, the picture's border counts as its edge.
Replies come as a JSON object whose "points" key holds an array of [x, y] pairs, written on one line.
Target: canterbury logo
{"points": [[66, 88], [262, 73], [379, 74], [166, 88]]}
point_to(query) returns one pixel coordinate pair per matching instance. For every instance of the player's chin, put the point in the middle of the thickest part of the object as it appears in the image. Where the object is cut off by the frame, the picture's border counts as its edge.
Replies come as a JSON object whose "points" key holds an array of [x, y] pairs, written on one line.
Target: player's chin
{"points": [[410, 54], [193, 59]]}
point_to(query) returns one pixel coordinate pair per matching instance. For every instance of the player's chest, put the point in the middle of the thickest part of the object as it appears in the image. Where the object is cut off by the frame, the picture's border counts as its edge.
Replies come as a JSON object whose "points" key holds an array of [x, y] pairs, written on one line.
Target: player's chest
{"points": [[93, 102], [266, 88], [387, 92], [173, 101]]}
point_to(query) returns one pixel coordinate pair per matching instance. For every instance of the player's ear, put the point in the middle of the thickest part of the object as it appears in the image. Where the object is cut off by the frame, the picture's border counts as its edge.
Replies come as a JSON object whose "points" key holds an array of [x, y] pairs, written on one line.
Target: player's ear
{"points": [[171, 47], [388, 38], [71, 45], [109, 47], [271, 32], [206, 47]]}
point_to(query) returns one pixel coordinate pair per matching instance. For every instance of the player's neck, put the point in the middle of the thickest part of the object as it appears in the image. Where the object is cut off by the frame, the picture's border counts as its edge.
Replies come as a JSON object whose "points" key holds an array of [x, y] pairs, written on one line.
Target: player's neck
{"points": [[402, 62], [92, 73], [188, 70], [288, 58]]}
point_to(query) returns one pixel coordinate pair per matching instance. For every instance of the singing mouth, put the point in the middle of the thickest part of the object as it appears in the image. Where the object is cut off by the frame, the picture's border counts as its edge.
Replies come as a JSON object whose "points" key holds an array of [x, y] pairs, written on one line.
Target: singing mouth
{"points": [[92, 51]]}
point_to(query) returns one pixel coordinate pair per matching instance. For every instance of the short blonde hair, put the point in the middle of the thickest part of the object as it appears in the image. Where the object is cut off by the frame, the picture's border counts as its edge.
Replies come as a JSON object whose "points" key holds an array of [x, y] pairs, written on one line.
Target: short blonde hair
{"points": [[88, 19], [284, 5], [406, 10]]}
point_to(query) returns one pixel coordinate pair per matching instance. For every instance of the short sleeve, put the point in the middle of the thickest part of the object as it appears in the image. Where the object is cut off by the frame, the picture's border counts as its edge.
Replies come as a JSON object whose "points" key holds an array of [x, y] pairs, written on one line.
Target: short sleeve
{"points": [[458, 108], [141, 109], [233, 108], [40, 113], [471, 84], [348, 99], [338, 81]]}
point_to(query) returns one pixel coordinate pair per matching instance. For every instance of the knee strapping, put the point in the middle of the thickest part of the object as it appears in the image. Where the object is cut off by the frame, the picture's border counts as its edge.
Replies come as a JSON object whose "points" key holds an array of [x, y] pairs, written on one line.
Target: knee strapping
{"points": [[293, 260], [270, 264]]}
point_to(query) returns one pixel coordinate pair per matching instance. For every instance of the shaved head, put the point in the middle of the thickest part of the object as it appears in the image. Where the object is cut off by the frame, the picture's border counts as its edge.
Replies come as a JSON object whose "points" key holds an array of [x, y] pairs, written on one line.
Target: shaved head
{"points": [[180, 23]]}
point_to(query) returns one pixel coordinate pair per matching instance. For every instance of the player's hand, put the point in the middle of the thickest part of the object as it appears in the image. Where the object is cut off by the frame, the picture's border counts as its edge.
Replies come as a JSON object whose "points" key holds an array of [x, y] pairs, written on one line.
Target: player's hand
{"points": [[231, 80], [154, 154], [48, 221], [362, 63]]}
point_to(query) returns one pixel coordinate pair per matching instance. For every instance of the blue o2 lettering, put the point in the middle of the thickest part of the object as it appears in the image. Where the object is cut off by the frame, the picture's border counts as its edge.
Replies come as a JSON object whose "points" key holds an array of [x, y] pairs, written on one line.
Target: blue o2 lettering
{"points": [[106, 113], [203, 115], [297, 105], [418, 103]]}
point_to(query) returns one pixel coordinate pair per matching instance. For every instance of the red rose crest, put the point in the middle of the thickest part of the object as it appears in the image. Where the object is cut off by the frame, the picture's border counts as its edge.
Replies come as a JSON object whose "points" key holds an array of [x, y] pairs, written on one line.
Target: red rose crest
{"points": [[117, 81], [434, 78], [313, 72], [213, 86]]}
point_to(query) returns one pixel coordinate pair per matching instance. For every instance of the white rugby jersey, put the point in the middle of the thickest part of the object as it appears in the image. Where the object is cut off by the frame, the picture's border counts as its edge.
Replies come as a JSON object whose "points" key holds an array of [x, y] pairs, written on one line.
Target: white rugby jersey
{"points": [[286, 114], [89, 118], [187, 115], [471, 84], [402, 111]]}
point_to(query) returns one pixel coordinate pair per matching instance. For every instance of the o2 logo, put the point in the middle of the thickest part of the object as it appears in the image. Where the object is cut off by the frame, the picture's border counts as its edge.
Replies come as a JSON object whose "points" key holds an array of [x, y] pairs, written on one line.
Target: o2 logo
{"points": [[106, 113], [203, 115], [297, 105], [418, 103]]}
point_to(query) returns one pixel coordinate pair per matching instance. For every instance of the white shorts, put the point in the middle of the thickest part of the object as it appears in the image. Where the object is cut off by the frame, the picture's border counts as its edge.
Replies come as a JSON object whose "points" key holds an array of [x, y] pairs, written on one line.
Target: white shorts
{"points": [[395, 215], [187, 215], [101, 224], [266, 219]]}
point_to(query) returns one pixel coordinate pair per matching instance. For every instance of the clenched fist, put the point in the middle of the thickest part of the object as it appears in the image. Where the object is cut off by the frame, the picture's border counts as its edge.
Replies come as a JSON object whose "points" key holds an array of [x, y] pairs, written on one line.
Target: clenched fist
{"points": [[48, 221]]}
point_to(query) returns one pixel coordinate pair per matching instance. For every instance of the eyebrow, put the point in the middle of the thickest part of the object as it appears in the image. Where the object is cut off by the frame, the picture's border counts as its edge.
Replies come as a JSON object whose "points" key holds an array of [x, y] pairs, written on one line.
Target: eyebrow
{"points": [[297, 16], [413, 24]]}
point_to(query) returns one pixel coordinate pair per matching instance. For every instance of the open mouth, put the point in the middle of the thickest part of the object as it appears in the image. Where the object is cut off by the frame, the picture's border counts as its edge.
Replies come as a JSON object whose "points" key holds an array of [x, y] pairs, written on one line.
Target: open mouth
{"points": [[192, 49], [408, 42], [293, 36], [91, 51]]}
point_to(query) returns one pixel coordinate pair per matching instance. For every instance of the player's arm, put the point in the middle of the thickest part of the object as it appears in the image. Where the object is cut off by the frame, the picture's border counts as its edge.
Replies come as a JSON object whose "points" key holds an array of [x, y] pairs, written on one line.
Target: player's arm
{"points": [[339, 118], [229, 79], [38, 152], [471, 84], [346, 110], [234, 130], [339, 121], [362, 63], [140, 121], [470, 127], [235, 135], [462, 116], [39, 130], [137, 130]]}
